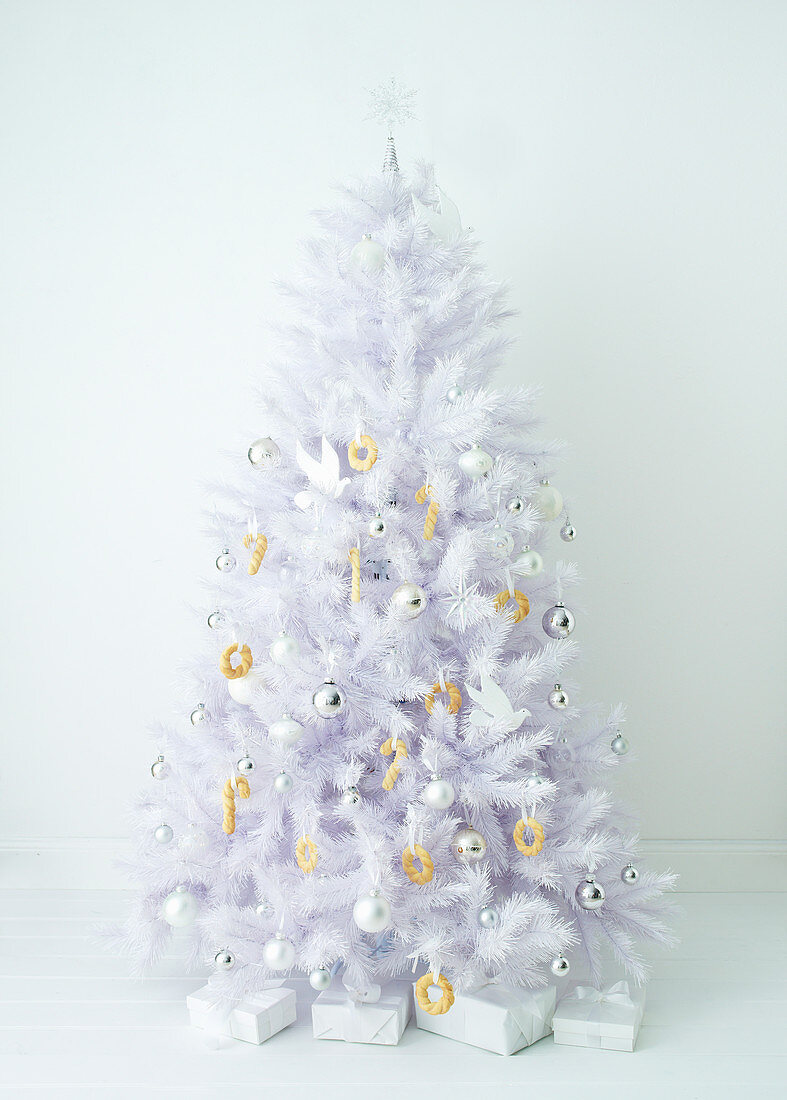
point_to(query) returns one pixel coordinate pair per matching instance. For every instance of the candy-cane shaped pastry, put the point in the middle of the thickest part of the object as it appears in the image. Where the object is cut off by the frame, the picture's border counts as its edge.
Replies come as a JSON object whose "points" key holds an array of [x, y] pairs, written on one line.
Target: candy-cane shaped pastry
{"points": [[431, 513], [521, 601], [454, 697], [355, 560], [434, 1008], [258, 553], [401, 754], [246, 662], [228, 801], [427, 866], [306, 863], [363, 464], [538, 837]]}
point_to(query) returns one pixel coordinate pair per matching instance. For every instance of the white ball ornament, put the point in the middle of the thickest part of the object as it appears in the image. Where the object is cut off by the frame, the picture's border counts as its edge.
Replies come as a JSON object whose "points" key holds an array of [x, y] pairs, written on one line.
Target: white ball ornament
{"points": [[263, 908], [438, 793], [217, 620], [548, 500], [284, 650], [264, 454], [286, 730], [368, 256], [372, 912], [163, 834], [159, 769], [320, 978], [558, 621], [279, 953], [199, 714], [501, 542], [619, 745], [282, 784], [244, 689], [475, 462], [453, 394], [328, 700], [407, 601], [180, 908], [488, 917], [527, 563]]}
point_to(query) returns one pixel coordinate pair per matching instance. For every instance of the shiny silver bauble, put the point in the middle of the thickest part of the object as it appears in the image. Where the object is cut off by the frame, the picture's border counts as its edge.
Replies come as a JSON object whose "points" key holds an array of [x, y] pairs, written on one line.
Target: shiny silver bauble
{"points": [[263, 908], [368, 256], [527, 563], [453, 394], [245, 765], [515, 506], [568, 532], [264, 454], [590, 894], [629, 874], [407, 601], [534, 780], [468, 845], [376, 527], [351, 797], [558, 621], [438, 793], [560, 966], [488, 917], [217, 620], [284, 650], [501, 542], [320, 978], [282, 784], [159, 769], [279, 953], [619, 745], [199, 714], [180, 908], [557, 698], [163, 834], [328, 700], [224, 960], [548, 500], [243, 689], [286, 730], [225, 562], [475, 462], [372, 912]]}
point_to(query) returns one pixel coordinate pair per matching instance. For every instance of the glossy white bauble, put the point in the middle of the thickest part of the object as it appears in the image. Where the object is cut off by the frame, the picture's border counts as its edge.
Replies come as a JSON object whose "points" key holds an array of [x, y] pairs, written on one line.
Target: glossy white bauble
{"points": [[282, 784], [320, 978], [438, 793], [164, 834], [279, 953], [180, 908], [368, 256], [286, 730], [372, 912], [244, 689], [475, 462], [527, 563], [548, 500], [284, 650]]}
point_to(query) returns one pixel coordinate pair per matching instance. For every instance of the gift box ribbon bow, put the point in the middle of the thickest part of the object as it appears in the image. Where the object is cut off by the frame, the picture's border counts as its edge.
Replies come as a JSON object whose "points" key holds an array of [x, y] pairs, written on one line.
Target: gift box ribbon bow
{"points": [[617, 994]]}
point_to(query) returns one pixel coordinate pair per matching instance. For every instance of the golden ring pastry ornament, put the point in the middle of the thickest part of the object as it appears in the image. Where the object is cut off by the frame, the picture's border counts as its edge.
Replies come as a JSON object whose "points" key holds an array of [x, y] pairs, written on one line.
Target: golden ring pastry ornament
{"points": [[304, 845], [246, 661], [409, 855], [538, 837], [519, 598], [454, 697], [363, 464], [434, 1008]]}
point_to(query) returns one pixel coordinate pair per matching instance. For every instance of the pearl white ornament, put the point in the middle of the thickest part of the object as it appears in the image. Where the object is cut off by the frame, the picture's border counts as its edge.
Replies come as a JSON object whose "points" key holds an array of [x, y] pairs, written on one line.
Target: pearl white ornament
{"points": [[438, 793], [159, 769], [286, 730], [328, 700], [527, 563], [548, 500], [224, 960], [629, 874], [263, 908], [282, 784], [245, 765], [557, 698], [619, 745], [501, 542], [475, 462], [377, 527], [468, 845], [515, 506], [351, 797], [368, 255], [488, 917], [193, 841], [180, 908], [284, 650], [217, 620], [164, 834], [558, 621], [264, 454], [372, 912], [560, 966], [568, 532], [407, 601], [225, 562], [534, 780], [244, 689], [199, 714], [453, 394], [590, 894], [279, 953], [320, 978]]}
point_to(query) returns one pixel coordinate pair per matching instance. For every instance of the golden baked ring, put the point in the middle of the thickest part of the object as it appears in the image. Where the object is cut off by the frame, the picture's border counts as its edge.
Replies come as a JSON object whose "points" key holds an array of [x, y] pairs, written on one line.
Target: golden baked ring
{"points": [[245, 662], [521, 600], [538, 837], [454, 697], [371, 453], [420, 878], [306, 843], [434, 1008]]}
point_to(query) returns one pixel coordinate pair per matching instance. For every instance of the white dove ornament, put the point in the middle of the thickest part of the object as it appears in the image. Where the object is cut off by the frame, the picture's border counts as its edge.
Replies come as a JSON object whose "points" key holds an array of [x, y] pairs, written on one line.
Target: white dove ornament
{"points": [[444, 223], [494, 705], [323, 475]]}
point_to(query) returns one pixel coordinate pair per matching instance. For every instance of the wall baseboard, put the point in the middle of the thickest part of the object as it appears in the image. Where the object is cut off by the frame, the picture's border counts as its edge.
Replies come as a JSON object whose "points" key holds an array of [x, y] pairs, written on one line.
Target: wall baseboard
{"points": [[88, 863]]}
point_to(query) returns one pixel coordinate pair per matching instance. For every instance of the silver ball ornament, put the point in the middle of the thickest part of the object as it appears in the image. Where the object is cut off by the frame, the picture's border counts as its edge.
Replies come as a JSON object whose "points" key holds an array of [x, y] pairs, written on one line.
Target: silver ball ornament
{"points": [[351, 797], [180, 908], [279, 953], [468, 846], [264, 454], [533, 781], [263, 908], [286, 730], [475, 462], [548, 500], [282, 784], [527, 563], [224, 960], [284, 650], [560, 966], [568, 532], [377, 527], [557, 698], [438, 793], [225, 562], [245, 765], [590, 894], [199, 714], [372, 912], [501, 542], [629, 874], [558, 621], [488, 917], [217, 620], [159, 769], [515, 506], [164, 834], [368, 256], [407, 601], [328, 700], [619, 745], [243, 689], [454, 393], [320, 978]]}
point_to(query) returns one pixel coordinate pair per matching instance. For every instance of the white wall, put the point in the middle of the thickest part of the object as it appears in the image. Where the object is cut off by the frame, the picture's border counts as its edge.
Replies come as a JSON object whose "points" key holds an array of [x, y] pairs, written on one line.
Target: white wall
{"points": [[625, 165]]}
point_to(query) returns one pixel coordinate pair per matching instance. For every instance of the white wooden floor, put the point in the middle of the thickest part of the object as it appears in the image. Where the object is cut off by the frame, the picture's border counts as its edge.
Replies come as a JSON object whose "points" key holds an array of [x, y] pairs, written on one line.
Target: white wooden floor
{"points": [[73, 1024]]}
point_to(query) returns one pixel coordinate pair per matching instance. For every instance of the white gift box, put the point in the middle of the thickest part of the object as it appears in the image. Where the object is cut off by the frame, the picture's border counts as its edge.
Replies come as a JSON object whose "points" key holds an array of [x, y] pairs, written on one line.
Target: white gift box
{"points": [[337, 1015], [500, 1018], [258, 1016], [607, 1018]]}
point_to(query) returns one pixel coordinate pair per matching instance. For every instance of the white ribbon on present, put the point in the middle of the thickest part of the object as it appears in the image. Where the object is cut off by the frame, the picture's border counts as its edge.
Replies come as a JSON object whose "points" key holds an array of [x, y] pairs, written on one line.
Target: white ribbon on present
{"points": [[529, 1016], [363, 995], [588, 1003]]}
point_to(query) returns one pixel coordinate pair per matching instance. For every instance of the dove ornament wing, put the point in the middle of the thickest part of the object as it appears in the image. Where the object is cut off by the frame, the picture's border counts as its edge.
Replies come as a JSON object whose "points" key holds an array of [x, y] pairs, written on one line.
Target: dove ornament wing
{"points": [[323, 475], [444, 223]]}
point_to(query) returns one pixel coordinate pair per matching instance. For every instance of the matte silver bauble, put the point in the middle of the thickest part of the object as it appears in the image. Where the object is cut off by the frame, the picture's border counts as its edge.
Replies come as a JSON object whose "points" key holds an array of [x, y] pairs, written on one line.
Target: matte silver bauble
{"points": [[407, 601], [284, 650], [199, 714], [164, 834], [527, 563], [557, 698], [243, 689], [286, 730], [568, 532], [475, 462], [180, 908], [488, 917], [468, 845], [501, 542], [368, 256], [225, 562], [264, 454], [438, 793], [328, 700], [159, 769], [515, 506], [558, 621], [590, 894], [351, 797], [534, 780], [245, 765], [619, 745], [372, 912], [279, 953], [454, 393], [629, 874], [224, 960], [376, 527], [320, 978], [282, 784], [560, 966], [217, 620], [548, 500]]}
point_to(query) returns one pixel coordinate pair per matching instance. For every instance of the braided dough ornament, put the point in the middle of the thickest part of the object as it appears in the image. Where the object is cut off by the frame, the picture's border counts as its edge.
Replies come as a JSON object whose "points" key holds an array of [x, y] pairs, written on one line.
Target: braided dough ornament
{"points": [[454, 697], [434, 1008], [431, 514], [521, 600], [538, 837], [246, 662], [258, 553], [355, 560], [306, 865], [393, 771], [371, 453], [228, 801], [427, 866]]}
